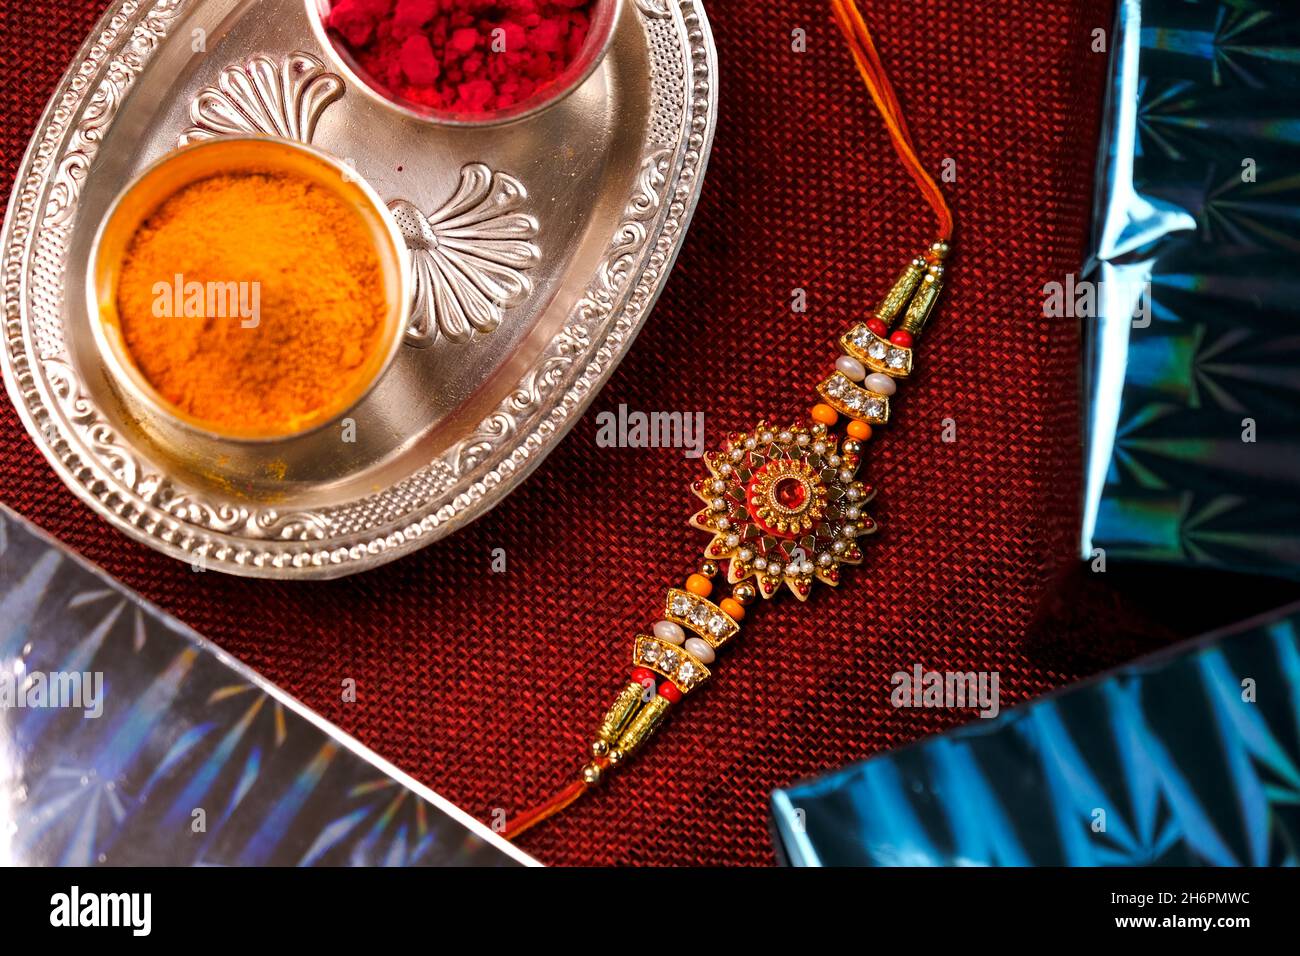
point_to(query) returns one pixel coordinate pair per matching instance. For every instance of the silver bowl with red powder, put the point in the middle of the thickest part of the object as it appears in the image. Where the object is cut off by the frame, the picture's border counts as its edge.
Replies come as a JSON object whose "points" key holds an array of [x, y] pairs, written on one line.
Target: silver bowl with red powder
{"points": [[466, 62]]}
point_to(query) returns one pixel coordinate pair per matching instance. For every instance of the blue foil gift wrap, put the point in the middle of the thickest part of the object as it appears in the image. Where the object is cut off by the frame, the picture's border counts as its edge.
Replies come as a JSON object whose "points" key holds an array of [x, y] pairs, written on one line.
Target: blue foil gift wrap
{"points": [[1189, 757], [127, 739], [1193, 404]]}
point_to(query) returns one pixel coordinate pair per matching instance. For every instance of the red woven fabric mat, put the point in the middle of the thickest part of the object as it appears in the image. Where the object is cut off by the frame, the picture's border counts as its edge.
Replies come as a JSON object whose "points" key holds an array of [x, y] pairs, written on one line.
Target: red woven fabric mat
{"points": [[486, 686]]}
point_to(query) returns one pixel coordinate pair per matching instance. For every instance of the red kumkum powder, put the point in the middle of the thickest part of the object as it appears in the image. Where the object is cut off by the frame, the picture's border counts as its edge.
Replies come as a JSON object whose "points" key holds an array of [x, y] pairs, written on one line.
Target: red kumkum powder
{"points": [[466, 56]]}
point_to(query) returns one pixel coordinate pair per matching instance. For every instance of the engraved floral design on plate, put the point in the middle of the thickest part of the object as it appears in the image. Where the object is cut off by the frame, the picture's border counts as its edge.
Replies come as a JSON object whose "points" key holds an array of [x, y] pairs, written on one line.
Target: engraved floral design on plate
{"points": [[468, 258], [262, 96]]}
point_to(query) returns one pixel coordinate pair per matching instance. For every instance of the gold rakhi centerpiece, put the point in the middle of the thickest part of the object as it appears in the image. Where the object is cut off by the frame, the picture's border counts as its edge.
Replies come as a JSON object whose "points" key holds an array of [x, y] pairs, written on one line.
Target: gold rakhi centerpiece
{"points": [[784, 506]]}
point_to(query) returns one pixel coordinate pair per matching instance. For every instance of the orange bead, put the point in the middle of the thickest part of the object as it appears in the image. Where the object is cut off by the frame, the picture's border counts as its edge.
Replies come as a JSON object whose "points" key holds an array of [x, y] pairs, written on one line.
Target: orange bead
{"points": [[699, 584], [732, 608], [859, 430], [825, 414]]}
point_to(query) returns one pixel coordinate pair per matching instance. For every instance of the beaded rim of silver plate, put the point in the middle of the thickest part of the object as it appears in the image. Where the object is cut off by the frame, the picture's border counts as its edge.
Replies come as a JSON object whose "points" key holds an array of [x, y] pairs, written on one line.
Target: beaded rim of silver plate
{"points": [[489, 219]]}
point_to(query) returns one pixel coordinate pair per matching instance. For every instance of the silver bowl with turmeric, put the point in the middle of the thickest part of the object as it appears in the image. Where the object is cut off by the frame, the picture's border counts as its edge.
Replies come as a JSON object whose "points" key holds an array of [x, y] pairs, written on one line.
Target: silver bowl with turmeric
{"points": [[247, 289]]}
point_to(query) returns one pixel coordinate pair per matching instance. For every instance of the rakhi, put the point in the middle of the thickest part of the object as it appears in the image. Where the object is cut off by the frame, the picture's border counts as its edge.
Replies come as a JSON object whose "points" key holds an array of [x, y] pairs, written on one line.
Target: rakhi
{"points": [[782, 501]]}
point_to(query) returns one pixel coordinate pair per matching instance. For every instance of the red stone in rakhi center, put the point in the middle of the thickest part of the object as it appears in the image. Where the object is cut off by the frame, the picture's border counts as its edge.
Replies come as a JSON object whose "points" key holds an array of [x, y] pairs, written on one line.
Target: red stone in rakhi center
{"points": [[791, 493], [669, 692]]}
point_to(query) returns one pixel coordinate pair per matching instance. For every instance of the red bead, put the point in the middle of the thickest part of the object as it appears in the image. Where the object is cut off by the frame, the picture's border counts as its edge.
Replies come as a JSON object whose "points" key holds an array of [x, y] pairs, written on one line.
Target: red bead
{"points": [[791, 492], [641, 676], [902, 339], [875, 325], [669, 692]]}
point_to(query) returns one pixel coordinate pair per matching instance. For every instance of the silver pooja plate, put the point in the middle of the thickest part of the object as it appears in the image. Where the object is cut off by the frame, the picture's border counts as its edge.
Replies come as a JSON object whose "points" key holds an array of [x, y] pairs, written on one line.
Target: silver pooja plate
{"points": [[582, 210]]}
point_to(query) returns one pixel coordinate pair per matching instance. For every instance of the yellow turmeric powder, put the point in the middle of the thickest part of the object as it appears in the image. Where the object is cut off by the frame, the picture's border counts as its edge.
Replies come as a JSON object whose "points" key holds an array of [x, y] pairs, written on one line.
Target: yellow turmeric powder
{"points": [[251, 301]]}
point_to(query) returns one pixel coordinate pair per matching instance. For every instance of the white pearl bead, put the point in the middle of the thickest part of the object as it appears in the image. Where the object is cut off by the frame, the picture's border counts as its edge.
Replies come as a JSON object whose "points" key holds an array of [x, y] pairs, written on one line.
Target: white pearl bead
{"points": [[700, 649], [850, 367], [880, 384], [670, 632]]}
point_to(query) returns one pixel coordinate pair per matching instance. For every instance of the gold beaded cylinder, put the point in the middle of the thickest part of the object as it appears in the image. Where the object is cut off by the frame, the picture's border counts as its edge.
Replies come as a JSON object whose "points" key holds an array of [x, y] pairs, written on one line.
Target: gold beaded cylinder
{"points": [[918, 313], [620, 712], [643, 725], [904, 286]]}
